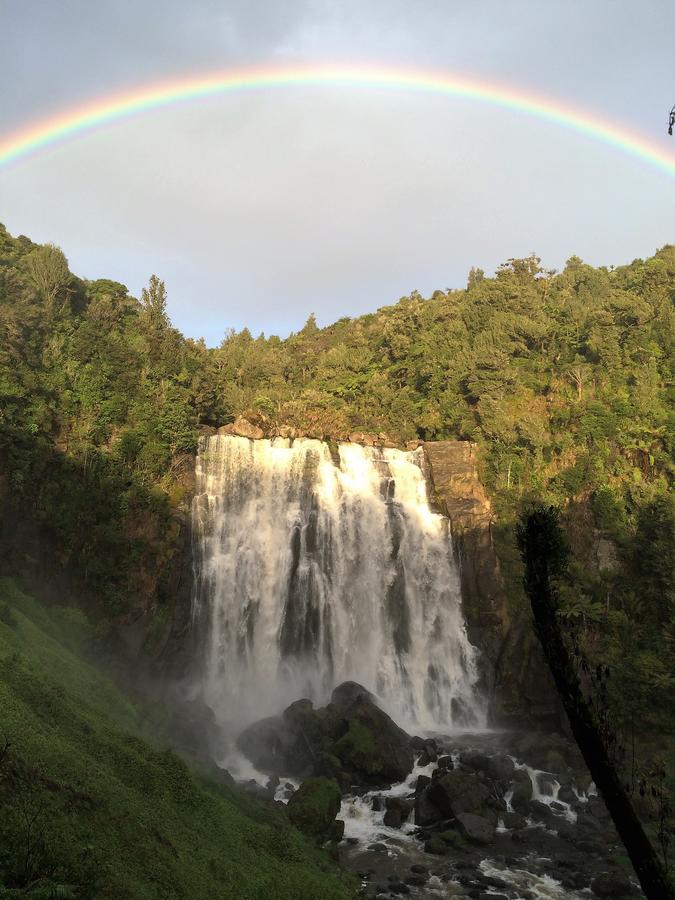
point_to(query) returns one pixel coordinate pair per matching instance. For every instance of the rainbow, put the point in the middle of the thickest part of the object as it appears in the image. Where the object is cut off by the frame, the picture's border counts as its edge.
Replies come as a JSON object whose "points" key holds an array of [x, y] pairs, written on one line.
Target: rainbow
{"points": [[47, 132]]}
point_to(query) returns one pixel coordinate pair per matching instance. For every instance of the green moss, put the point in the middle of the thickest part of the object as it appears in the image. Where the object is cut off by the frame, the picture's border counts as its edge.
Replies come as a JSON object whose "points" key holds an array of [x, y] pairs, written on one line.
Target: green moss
{"points": [[314, 806], [110, 813], [357, 750]]}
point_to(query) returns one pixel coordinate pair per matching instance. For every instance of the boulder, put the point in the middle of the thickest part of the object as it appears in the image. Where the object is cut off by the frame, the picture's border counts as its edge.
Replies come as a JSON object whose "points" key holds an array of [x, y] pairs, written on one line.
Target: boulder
{"points": [[372, 748], [314, 807], [476, 829], [242, 428], [266, 743], [459, 792], [392, 818], [612, 884], [445, 762], [349, 692], [498, 768], [436, 845], [513, 820], [426, 811], [522, 791], [351, 741]]}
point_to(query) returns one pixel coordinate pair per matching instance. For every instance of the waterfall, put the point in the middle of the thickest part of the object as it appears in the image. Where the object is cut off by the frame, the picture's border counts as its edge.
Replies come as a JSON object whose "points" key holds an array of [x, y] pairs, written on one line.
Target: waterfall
{"points": [[313, 566]]}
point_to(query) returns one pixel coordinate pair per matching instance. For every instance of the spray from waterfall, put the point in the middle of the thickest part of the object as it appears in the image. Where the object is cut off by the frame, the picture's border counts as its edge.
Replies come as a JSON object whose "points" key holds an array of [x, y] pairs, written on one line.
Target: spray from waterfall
{"points": [[315, 567]]}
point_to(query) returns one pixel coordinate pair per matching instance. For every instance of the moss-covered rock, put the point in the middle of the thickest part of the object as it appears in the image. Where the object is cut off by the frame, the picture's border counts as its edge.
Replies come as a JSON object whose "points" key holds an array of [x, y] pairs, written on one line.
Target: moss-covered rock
{"points": [[314, 806]]}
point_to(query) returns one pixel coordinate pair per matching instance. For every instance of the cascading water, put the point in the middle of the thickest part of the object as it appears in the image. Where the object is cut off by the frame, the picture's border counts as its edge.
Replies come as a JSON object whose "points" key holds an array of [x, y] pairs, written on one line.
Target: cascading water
{"points": [[311, 570]]}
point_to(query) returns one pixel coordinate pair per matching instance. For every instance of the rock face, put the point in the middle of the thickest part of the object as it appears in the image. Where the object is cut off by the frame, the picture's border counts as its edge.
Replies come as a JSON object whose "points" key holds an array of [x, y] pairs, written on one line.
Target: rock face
{"points": [[514, 674], [351, 740]]}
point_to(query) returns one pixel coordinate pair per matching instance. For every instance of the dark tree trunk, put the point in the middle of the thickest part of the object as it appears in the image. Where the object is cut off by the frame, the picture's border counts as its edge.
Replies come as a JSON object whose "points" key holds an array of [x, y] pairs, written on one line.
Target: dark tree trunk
{"points": [[543, 551]]}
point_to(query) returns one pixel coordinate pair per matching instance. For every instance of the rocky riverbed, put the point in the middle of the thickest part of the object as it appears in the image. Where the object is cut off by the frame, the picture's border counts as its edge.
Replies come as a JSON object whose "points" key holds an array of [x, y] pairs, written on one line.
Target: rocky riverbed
{"points": [[487, 815]]}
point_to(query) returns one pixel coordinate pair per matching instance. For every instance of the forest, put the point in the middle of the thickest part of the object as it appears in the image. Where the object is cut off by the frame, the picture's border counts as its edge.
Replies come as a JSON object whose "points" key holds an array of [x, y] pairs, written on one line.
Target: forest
{"points": [[564, 380]]}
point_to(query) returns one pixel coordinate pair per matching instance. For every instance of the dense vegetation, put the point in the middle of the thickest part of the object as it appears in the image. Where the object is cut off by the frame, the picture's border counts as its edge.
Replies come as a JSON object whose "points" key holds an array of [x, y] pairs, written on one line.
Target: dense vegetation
{"points": [[564, 379], [91, 808]]}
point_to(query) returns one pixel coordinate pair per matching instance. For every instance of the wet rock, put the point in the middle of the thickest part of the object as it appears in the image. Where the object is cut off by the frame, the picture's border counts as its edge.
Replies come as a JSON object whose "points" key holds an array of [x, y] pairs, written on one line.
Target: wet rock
{"points": [[377, 804], [567, 795], [392, 818], [498, 768], [421, 783], [419, 869], [347, 693], [314, 807], [513, 820], [426, 811], [337, 831], [398, 887], [612, 884], [372, 746], [399, 804], [266, 744], [445, 762], [377, 847], [522, 791], [416, 880], [436, 845], [458, 792], [476, 829]]}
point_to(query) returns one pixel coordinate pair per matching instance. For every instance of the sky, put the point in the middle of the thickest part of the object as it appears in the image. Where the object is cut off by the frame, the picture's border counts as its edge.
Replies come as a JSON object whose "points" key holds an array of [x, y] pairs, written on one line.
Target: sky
{"points": [[262, 207]]}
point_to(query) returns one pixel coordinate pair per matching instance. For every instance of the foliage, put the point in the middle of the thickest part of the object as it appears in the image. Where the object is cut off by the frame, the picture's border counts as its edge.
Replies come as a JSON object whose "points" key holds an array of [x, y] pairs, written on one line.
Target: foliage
{"points": [[563, 379], [91, 808]]}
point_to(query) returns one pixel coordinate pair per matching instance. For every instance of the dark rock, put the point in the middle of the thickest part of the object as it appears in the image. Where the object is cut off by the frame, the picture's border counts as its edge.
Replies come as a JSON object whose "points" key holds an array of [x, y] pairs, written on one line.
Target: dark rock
{"points": [[612, 884], [376, 804], [426, 811], [417, 743], [476, 829], [421, 783], [377, 847], [522, 791], [498, 768], [513, 820], [349, 692], [458, 792], [372, 747], [419, 869], [392, 818], [445, 762], [266, 744], [400, 804], [416, 880], [314, 806], [435, 845], [452, 838], [398, 887], [337, 831], [567, 795]]}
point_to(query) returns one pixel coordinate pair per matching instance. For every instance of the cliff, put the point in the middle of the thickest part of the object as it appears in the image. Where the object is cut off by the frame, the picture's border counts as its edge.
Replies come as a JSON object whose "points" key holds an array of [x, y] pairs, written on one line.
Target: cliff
{"points": [[514, 673]]}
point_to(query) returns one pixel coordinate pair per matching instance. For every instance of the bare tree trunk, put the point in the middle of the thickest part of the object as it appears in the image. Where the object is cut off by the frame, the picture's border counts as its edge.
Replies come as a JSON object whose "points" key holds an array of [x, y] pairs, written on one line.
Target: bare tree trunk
{"points": [[543, 553]]}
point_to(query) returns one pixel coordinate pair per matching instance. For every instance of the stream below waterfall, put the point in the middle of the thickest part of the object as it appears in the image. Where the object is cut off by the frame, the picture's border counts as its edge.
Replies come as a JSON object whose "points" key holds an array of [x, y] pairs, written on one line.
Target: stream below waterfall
{"points": [[552, 851]]}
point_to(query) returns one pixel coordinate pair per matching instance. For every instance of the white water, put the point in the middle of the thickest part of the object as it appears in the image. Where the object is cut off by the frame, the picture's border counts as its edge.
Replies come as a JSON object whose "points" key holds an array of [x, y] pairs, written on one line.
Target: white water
{"points": [[310, 572]]}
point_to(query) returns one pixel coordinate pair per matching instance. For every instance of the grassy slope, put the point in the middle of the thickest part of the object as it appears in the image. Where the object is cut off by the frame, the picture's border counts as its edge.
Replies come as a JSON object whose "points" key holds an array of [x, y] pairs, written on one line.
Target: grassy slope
{"points": [[85, 802]]}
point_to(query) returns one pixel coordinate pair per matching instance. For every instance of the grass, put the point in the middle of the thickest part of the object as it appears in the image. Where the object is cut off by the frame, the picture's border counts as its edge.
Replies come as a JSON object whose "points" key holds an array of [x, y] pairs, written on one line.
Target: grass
{"points": [[90, 808]]}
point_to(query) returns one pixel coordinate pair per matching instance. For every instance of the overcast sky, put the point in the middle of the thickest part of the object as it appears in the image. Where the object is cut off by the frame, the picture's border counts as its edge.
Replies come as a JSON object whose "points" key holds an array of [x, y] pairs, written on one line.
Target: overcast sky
{"points": [[259, 208]]}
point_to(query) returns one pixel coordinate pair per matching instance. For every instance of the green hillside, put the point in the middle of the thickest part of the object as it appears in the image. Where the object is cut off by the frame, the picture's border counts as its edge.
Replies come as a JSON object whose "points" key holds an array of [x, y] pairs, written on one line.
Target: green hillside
{"points": [[89, 808]]}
